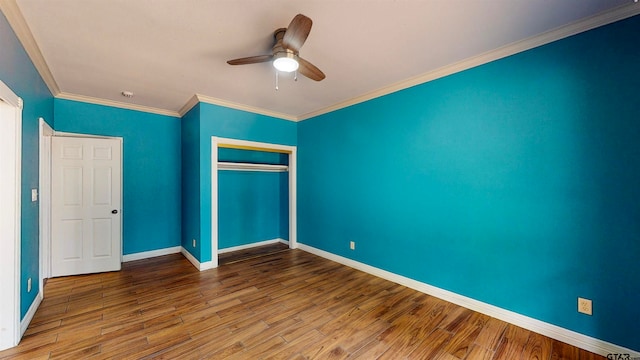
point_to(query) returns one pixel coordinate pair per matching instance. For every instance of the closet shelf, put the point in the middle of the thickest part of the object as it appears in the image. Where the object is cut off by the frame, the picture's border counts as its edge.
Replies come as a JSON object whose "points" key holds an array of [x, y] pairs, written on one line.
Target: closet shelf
{"points": [[225, 165]]}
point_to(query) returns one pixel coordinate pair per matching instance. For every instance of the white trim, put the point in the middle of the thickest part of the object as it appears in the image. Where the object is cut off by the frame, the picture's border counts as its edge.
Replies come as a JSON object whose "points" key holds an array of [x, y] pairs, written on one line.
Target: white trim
{"points": [[9, 96], [193, 101], [24, 324], [151, 253], [68, 134], [44, 202], [10, 218], [586, 24], [19, 25], [562, 32], [233, 105], [227, 165], [555, 332], [287, 149], [190, 257], [214, 201], [200, 266], [293, 199], [116, 104], [252, 245], [207, 265]]}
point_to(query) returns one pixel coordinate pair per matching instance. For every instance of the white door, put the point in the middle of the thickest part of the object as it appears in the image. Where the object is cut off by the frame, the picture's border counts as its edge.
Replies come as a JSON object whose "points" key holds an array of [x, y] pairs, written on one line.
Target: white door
{"points": [[85, 205]]}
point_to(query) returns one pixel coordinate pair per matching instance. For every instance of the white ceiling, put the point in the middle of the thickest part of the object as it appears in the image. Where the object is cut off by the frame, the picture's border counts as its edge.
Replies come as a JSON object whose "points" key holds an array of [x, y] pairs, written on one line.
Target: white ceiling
{"points": [[166, 51]]}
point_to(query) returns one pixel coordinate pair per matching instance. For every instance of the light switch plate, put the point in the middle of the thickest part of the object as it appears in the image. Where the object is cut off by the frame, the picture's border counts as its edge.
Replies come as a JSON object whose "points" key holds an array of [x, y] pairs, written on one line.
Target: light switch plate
{"points": [[34, 194]]}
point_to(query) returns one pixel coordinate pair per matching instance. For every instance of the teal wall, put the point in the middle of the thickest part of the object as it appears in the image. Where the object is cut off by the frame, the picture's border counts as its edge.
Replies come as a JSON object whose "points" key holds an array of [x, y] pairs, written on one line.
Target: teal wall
{"points": [[252, 206], [190, 138], [514, 183], [151, 211], [19, 74], [227, 123], [252, 156]]}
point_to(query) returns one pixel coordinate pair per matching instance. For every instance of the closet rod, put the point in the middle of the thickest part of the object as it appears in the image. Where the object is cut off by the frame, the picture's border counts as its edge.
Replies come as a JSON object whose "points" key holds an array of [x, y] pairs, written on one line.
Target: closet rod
{"points": [[225, 165]]}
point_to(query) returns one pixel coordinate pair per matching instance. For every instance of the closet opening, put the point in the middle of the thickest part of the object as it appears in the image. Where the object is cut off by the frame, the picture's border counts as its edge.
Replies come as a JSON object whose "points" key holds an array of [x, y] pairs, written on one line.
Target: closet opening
{"points": [[253, 199]]}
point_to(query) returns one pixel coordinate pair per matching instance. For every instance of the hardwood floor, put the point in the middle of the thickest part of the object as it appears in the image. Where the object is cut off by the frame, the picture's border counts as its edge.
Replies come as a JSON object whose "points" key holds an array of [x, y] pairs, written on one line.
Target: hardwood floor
{"points": [[242, 255], [286, 305]]}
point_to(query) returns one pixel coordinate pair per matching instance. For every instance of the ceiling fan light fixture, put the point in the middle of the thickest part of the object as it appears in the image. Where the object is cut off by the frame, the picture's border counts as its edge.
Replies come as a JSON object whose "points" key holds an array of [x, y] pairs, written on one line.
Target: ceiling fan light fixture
{"points": [[286, 62], [284, 53]]}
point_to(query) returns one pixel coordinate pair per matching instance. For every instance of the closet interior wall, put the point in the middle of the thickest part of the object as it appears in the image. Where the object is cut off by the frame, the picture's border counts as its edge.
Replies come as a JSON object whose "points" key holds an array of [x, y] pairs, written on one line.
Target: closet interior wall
{"points": [[253, 198]]}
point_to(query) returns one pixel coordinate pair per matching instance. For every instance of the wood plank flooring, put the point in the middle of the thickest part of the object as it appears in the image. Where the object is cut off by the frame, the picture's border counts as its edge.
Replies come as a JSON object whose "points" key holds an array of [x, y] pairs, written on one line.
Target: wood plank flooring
{"points": [[286, 305], [242, 255]]}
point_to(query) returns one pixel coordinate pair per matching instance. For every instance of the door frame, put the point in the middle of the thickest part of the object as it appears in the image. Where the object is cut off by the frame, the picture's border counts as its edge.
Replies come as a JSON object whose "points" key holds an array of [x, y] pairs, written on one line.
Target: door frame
{"points": [[10, 269], [121, 141], [46, 132], [217, 142]]}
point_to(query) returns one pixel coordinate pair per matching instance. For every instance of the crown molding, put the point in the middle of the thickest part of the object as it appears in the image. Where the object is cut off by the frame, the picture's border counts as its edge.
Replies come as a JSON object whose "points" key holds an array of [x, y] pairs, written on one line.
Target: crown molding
{"points": [[237, 106], [19, 25], [193, 101], [116, 104], [16, 20], [619, 13]]}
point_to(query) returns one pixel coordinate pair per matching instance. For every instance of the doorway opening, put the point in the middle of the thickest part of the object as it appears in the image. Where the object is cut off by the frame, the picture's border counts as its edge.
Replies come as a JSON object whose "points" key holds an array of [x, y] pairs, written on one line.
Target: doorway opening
{"points": [[286, 168]]}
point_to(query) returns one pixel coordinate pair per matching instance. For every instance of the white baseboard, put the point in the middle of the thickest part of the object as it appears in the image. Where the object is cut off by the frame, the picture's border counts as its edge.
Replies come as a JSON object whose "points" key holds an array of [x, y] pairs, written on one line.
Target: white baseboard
{"points": [[248, 246], [553, 331], [200, 266], [150, 254], [24, 324], [211, 264]]}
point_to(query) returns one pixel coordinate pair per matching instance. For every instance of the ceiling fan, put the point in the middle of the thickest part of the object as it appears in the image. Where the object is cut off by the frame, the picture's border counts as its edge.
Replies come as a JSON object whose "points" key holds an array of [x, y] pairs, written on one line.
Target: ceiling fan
{"points": [[284, 53]]}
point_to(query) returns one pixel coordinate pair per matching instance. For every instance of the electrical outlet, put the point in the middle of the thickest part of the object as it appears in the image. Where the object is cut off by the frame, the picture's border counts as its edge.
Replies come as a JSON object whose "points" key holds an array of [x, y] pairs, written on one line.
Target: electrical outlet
{"points": [[352, 245], [585, 306], [29, 285], [193, 242]]}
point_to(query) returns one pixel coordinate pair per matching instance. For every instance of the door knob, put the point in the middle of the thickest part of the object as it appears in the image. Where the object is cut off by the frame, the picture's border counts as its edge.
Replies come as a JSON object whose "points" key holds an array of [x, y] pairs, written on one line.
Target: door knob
{"points": [[114, 211]]}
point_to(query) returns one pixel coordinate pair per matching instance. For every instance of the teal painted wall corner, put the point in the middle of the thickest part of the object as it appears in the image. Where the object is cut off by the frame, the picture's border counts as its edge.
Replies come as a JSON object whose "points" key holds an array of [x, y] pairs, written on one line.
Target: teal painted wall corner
{"points": [[521, 175], [151, 168], [235, 124], [17, 72], [191, 199]]}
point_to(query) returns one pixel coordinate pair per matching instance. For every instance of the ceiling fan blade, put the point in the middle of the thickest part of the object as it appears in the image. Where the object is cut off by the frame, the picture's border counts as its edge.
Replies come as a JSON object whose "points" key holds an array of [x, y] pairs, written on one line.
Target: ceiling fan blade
{"points": [[309, 70], [297, 33], [250, 60]]}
